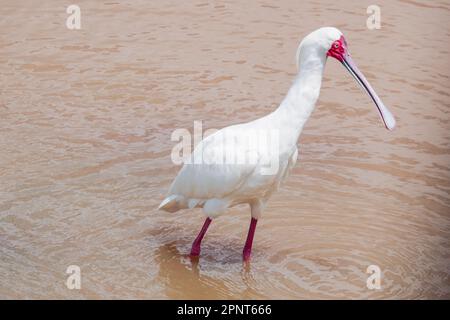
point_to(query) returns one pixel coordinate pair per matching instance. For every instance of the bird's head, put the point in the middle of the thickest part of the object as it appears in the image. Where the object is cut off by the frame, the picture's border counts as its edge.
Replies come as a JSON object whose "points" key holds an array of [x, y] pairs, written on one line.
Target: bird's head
{"points": [[330, 42]]}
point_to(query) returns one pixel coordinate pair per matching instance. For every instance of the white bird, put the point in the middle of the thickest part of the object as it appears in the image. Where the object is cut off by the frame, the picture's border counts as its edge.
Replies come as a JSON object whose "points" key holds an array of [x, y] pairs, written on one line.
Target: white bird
{"points": [[211, 182]]}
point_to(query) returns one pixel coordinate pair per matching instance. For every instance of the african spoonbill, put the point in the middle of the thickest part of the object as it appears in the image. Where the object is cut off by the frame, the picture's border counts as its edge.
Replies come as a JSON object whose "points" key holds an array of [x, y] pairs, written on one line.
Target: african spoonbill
{"points": [[215, 185]]}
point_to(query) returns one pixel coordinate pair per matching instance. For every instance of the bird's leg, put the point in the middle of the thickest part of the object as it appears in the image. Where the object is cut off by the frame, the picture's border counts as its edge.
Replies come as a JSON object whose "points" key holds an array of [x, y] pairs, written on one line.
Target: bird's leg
{"points": [[195, 251], [248, 243]]}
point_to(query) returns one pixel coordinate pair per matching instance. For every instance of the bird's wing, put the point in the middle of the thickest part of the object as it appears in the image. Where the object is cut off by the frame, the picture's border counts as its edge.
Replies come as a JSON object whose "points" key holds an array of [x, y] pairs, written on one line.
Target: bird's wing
{"points": [[215, 176]]}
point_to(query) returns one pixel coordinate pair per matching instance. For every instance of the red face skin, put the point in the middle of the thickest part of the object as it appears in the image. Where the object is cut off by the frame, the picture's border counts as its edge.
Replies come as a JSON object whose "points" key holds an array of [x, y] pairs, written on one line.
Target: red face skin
{"points": [[338, 49]]}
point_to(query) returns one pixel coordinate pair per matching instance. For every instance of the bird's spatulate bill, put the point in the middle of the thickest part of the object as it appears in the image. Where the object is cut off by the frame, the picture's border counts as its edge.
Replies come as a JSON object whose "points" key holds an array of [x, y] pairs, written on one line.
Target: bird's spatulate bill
{"points": [[386, 115]]}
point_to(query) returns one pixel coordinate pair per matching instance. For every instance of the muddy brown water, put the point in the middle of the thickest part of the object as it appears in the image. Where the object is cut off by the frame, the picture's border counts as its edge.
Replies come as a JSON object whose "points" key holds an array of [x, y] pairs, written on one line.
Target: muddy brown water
{"points": [[85, 123]]}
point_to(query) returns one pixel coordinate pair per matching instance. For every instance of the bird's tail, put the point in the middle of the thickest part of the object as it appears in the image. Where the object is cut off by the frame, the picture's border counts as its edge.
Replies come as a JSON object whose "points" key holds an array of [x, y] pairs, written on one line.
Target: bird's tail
{"points": [[170, 204]]}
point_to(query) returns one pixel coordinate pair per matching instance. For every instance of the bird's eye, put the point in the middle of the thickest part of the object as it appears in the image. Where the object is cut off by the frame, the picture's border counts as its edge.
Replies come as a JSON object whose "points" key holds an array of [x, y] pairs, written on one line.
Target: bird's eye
{"points": [[336, 45]]}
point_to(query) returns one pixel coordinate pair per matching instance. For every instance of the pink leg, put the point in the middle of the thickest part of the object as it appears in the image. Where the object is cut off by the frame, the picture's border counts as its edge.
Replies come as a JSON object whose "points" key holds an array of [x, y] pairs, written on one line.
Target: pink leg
{"points": [[248, 244], [195, 251]]}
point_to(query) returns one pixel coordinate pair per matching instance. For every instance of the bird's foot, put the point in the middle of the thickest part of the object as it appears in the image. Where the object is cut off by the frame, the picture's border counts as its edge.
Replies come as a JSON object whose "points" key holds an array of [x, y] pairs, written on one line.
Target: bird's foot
{"points": [[246, 255], [195, 251]]}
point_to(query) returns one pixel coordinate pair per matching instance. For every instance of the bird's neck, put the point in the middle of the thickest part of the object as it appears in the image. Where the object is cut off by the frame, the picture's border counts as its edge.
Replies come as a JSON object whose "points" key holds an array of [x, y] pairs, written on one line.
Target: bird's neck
{"points": [[301, 98]]}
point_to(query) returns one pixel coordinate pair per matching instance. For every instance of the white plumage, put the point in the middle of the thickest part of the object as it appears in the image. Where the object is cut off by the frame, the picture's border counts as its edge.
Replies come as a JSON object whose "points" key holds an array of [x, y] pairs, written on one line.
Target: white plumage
{"points": [[215, 186]]}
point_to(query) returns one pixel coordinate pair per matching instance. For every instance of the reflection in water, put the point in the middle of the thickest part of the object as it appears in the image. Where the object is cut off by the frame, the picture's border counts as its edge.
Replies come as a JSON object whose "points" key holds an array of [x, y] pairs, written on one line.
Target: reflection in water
{"points": [[179, 276], [183, 278], [86, 119]]}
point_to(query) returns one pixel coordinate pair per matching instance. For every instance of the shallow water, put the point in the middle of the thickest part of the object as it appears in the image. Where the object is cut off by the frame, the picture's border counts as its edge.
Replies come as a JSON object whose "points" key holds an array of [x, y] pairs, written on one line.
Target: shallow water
{"points": [[85, 124]]}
